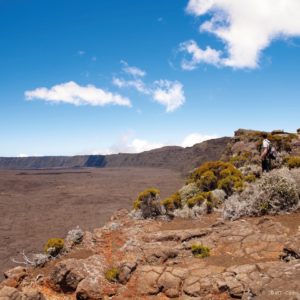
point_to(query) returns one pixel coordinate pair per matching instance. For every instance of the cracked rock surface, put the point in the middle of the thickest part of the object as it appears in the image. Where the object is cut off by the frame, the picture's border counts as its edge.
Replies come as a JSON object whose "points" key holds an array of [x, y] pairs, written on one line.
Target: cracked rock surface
{"points": [[250, 258]]}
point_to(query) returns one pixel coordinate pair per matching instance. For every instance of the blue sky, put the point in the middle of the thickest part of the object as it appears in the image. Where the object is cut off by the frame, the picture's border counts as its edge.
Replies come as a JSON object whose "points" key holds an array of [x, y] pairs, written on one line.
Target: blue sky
{"points": [[81, 77]]}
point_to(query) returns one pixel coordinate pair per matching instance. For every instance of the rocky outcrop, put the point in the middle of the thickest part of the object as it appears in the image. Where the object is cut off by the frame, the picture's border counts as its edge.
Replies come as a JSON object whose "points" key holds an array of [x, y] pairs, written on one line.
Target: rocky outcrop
{"points": [[254, 258]]}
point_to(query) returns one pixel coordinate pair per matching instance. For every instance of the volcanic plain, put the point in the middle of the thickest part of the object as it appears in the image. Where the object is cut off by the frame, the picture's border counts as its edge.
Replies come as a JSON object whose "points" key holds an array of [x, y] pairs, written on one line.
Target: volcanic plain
{"points": [[39, 204]]}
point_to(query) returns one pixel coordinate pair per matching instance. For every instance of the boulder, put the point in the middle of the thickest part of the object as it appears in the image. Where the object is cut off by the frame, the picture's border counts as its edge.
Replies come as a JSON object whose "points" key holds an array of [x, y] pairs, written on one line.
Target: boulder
{"points": [[170, 284], [34, 295], [147, 280], [68, 273], [10, 293], [126, 270], [16, 274], [89, 289], [291, 249]]}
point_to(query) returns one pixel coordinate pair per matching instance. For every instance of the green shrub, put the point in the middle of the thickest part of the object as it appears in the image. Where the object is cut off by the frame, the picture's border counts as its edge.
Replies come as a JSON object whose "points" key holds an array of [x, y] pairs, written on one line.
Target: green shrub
{"points": [[112, 274], [54, 246], [196, 200], [230, 184], [293, 162], [152, 192], [172, 202], [208, 181], [250, 178], [217, 174], [240, 160], [188, 191], [200, 198], [263, 207], [209, 206], [199, 250]]}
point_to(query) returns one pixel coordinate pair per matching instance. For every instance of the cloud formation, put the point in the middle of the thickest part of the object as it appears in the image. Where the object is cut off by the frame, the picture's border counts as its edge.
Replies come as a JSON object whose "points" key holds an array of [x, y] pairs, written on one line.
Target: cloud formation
{"points": [[137, 84], [134, 71], [195, 138], [165, 92], [198, 55], [246, 27], [128, 143], [169, 94], [72, 93]]}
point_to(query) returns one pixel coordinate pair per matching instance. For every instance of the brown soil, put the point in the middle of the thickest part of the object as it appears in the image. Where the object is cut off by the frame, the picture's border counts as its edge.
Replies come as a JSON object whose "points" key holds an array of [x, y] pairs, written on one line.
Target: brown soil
{"points": [[37, 205]]}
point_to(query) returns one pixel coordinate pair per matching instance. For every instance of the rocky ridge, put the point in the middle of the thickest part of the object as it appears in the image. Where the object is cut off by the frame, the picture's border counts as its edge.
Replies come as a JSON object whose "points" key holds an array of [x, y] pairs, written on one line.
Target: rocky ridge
{"points": [[175, 158]]}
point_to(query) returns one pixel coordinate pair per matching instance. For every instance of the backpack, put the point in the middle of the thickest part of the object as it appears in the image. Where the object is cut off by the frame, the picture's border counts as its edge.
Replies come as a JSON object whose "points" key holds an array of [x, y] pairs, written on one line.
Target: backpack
{"points": [[272, 153]]}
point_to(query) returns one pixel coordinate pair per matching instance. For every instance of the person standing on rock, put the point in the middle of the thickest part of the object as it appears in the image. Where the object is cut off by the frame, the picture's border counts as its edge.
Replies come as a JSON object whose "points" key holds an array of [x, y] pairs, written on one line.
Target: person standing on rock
{"points": [[265, 159]]}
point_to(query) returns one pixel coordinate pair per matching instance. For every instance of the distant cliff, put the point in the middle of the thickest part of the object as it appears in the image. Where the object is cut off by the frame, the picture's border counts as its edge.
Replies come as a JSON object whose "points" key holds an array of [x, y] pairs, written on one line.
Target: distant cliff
{"points": [[171, 157]]}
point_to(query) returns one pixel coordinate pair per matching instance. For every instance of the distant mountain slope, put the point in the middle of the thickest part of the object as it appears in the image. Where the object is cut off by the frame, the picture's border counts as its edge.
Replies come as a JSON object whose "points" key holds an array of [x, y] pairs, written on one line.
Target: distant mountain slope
{"points": [[171, 157]]}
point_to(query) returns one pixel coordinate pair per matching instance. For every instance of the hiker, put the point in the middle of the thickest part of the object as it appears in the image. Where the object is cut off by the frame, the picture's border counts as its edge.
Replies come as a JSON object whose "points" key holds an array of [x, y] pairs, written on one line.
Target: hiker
{"points": [[265, 159]]}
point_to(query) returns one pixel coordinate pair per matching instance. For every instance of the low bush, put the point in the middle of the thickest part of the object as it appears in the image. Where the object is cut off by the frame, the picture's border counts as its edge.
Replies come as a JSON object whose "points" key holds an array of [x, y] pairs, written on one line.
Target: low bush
{"points": [[54, 246], [188, 191], [196, 200], [250, 178], [274, 193], [172, 202], [282, 142], [199, 250], [148, 193], [293, 162], [202, 197], [217, 174], [241, 159], [230, 184], [209, 206], [112, 274]]}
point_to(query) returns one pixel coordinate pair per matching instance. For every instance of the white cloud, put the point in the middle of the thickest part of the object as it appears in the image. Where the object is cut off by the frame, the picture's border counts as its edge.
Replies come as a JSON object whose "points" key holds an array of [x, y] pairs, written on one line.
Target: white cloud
{"points": [[128, 143], [195, 138], [246, 27], [72, 93], [165, 92], [138, 145], [23, 155], [134, 71], [209, 55], [169, 94], [137, 84]]}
